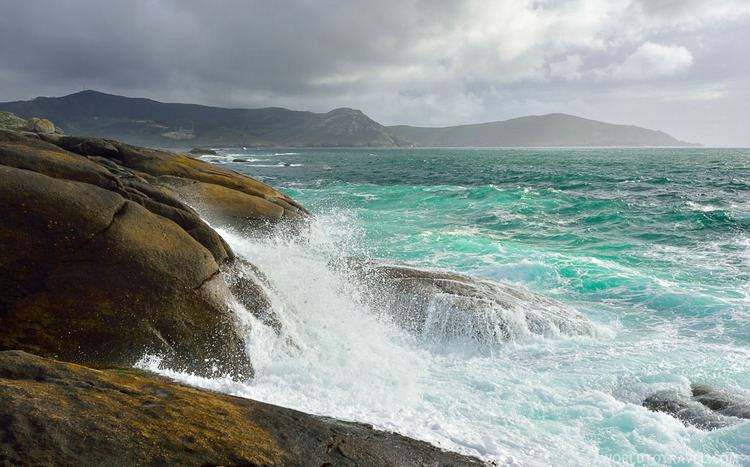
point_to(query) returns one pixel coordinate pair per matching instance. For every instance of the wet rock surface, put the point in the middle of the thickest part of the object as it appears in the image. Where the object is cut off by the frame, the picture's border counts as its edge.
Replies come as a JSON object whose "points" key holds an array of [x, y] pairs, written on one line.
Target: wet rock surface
{"points": [[56, 413], [706, 407], [445, 305]]}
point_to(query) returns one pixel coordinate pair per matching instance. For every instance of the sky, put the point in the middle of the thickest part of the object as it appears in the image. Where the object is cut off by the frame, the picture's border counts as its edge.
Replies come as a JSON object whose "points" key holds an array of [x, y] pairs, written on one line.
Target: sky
{"points": [[681, 66]]}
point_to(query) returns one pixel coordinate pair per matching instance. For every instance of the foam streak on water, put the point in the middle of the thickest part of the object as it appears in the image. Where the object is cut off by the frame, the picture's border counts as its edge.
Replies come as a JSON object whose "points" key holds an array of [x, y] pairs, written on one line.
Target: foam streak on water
{"points": [[653, 248]]}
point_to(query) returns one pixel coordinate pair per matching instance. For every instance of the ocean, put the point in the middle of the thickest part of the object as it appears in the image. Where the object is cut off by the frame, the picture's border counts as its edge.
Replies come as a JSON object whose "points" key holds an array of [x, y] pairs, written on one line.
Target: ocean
{"points": [[651, 245]]}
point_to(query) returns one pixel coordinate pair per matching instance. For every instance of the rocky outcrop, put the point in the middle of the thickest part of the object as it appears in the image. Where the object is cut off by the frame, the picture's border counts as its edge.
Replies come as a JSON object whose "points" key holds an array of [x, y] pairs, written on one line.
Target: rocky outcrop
{"points": [[705, 407], [103, 260], [9, 121], [42, 126], [54, 413], [441, 305]]}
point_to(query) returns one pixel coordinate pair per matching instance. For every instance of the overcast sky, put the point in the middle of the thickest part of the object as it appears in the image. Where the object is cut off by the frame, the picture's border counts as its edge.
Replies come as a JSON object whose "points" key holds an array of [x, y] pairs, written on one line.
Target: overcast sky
{"points": [[682, 66]]}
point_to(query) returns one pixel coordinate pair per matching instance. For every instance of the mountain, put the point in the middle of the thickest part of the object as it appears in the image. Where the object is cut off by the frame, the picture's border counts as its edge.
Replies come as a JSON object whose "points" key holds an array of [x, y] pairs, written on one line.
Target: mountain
{"points": [[536, 131], [151, 123]]}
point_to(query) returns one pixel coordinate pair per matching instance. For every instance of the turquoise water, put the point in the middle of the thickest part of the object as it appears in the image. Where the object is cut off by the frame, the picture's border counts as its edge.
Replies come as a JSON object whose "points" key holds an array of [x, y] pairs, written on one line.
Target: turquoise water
{"points": [[652, 245], [640, 236]]}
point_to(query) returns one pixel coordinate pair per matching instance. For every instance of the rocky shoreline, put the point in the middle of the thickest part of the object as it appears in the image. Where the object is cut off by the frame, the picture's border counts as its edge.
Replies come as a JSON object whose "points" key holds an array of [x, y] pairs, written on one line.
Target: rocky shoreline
{"points": [[107, 258], [56, 413]]}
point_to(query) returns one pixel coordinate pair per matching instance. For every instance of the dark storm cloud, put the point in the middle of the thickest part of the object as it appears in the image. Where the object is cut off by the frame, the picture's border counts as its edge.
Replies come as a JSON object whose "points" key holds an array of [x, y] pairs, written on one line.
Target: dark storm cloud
{"points": [[673, 65]]}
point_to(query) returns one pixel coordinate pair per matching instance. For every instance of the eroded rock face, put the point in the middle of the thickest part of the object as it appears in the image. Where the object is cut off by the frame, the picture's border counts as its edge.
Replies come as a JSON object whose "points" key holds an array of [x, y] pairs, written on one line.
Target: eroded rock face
{"points": [[103, 263], [446, 305], [126, 417], [706, 407]]}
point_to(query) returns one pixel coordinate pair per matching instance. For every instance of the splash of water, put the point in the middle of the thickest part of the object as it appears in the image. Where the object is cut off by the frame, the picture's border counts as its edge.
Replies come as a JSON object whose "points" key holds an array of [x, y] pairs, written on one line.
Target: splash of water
{"points": [[529, 401]]}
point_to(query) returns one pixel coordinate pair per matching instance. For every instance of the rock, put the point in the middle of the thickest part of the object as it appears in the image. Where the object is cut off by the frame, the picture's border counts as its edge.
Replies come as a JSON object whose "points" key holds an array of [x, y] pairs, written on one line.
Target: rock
{"points": [[91, 277], [20, 151], [203, 152], [446, 305], [102, 263], [686, 410], [224, 206], [249, 286], [168, 166], [40, 125], [9, 121], [725, 403], [706, 407], [56, 413]]}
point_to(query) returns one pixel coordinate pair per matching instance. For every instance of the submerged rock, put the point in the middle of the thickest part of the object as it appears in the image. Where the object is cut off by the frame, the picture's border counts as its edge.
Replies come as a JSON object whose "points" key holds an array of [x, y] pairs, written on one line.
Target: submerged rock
{"points": [[707, 408], [725, 403], [445, 305], [56, 413]]}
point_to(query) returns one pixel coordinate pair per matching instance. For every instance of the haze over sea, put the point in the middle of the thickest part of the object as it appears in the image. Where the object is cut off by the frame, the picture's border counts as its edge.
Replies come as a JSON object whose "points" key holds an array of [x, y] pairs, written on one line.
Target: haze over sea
{"points": [[652, 245]]}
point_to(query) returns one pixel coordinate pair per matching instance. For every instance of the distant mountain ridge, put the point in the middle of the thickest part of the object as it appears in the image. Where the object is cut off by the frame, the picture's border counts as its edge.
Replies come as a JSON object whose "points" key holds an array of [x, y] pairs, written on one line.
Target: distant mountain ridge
{"points": [[152, 123], [148, 122], [536, 131]]}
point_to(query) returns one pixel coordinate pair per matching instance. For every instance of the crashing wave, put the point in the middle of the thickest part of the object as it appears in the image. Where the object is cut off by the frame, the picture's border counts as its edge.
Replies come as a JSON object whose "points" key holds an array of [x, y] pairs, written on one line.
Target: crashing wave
{"points": [[441, 305]]}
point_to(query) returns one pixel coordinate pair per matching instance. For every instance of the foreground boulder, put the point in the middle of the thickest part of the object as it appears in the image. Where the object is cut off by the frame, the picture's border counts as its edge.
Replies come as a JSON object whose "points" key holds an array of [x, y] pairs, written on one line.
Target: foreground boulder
{"points": [[89, 276], [103, 261], [706, 407], [444, 305], [56, 413]]}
